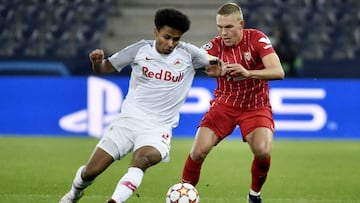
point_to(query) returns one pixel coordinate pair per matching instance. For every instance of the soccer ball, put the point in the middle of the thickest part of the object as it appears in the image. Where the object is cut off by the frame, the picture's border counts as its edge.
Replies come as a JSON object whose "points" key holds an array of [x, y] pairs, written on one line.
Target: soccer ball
{"points": [[182, 193]]}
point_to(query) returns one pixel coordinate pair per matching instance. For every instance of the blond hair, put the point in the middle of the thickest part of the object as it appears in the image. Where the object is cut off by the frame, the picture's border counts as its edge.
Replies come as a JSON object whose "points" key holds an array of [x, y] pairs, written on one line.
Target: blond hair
{"points": [[231, 9]]}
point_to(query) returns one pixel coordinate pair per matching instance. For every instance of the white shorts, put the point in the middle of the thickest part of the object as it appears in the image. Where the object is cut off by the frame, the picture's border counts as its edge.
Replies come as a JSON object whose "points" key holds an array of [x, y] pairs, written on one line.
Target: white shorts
{"points": [[127, 134]]}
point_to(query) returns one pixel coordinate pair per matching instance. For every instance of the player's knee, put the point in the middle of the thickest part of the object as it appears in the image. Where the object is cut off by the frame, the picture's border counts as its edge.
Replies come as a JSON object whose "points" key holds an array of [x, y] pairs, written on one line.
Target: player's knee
{"points": [[144, 162], [261, 149], [262, 152], [145, 157], [198, 155], [262, 155]]}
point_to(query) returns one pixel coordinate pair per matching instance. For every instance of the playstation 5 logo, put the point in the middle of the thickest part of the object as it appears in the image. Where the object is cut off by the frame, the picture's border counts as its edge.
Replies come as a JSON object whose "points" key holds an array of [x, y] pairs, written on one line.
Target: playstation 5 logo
{"points": [[280, 100], [104, 100], [298, 108]]}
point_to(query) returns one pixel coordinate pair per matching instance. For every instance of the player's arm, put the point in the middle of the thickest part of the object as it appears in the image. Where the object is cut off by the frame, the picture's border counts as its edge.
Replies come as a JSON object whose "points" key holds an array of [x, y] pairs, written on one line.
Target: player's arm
{"points": [[216, 67], [212, 66], [205, 62], [273, 68], [99, 65], [272, 71]]}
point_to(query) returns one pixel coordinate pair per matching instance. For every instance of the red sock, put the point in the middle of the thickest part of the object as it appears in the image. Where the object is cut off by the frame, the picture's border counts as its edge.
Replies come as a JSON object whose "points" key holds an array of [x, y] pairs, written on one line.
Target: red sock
{"points": [[259, 171], [191, 172]]}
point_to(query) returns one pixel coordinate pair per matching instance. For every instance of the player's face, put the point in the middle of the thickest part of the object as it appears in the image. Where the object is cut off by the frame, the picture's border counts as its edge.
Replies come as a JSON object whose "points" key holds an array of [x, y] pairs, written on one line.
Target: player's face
{"points": [[230, 29], [167, 39]]}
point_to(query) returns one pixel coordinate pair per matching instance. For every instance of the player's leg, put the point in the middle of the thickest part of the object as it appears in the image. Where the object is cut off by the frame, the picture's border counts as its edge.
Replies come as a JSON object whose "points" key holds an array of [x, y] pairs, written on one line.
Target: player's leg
{"points": [[260, 141], [143, 158], [215, 126], [257, 128], [112, 146], [204, 141], [86, 174], [151, 145]]}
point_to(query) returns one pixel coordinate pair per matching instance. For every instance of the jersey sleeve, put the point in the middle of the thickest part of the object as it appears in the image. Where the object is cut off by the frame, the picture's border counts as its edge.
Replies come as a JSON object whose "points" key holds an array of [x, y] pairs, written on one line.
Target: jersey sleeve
{"points": [[199, 56], [262, 44], [126, 56], [212, 47]]}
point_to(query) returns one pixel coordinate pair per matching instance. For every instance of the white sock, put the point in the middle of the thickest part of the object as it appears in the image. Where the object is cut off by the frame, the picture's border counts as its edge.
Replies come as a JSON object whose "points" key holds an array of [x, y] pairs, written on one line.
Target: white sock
{"points": [[253, 193], [79, 184], [128, 184]]}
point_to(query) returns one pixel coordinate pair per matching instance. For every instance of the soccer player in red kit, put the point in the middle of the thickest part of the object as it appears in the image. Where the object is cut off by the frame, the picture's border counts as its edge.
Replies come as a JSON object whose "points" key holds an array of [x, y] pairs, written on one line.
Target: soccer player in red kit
{"points": [[241, 97]]}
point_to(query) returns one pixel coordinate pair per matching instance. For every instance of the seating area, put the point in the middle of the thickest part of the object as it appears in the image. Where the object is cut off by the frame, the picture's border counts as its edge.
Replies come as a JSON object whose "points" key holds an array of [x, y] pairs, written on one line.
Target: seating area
{"points": [[45, 28], [321, 30]]}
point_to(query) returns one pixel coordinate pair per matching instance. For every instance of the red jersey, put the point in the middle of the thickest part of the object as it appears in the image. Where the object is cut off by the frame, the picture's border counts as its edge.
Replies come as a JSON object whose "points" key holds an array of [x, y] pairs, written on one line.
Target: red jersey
{"points": [[236, 91]]}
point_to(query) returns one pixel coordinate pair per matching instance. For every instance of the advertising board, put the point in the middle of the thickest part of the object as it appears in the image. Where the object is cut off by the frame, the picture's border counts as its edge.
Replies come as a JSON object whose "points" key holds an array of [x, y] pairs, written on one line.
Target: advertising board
{"points": [[84, 106]]}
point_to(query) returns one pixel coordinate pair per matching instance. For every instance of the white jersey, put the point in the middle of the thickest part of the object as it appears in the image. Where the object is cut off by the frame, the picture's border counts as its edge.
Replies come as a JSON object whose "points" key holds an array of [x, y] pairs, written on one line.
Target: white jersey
{"points": [[159, 83]]}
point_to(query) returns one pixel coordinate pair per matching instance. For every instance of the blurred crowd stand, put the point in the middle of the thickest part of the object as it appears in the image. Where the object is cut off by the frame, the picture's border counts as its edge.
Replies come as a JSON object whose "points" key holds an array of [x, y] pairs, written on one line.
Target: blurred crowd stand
{"points": [[307, 32]]}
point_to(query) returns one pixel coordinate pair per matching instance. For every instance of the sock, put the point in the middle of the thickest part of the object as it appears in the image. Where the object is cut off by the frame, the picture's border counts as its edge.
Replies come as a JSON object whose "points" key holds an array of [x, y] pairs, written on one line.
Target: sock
{"points": [[253, 193], [79, 184], [191, 171], [128, 184], [259, 171]]}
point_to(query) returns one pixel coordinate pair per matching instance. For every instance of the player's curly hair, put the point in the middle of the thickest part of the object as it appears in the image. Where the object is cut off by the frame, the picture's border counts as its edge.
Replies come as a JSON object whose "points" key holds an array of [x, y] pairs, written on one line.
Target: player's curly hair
{"points": [[173, 18]]}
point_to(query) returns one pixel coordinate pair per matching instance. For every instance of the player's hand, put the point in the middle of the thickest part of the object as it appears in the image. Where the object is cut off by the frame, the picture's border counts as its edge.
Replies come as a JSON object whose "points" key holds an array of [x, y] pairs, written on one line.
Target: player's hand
{"points": [[96, 56], [237, 70], [215, 68]]}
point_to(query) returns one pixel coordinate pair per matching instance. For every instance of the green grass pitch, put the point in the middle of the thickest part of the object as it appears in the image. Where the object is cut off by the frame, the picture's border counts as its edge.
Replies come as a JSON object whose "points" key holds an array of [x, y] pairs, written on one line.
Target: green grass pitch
{"points": [[40, 170]]}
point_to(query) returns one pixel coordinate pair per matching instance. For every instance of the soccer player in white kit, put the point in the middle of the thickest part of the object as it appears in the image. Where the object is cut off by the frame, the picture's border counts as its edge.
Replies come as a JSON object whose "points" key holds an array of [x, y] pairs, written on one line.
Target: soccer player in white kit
{"points": [[161, 77]]}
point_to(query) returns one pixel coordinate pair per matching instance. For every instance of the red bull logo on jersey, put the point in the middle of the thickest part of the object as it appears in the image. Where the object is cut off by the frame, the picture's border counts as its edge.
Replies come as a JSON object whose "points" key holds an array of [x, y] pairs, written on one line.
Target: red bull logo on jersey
{"points": [[162, 75], [178, 62]]}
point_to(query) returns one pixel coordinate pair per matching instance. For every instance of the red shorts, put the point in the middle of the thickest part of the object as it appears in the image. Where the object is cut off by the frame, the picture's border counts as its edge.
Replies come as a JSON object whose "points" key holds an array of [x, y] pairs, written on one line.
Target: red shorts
{"points": [[222, 119]]}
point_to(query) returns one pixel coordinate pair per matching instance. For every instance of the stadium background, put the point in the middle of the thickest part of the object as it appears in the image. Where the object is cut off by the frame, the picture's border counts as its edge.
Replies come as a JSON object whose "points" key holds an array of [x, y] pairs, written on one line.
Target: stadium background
{"points": [[50, 100], [47, 44]]}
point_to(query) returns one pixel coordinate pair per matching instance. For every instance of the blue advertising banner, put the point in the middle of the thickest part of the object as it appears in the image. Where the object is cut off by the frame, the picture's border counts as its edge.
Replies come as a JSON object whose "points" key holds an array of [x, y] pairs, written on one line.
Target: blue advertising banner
{"points": [[83, 106]]}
